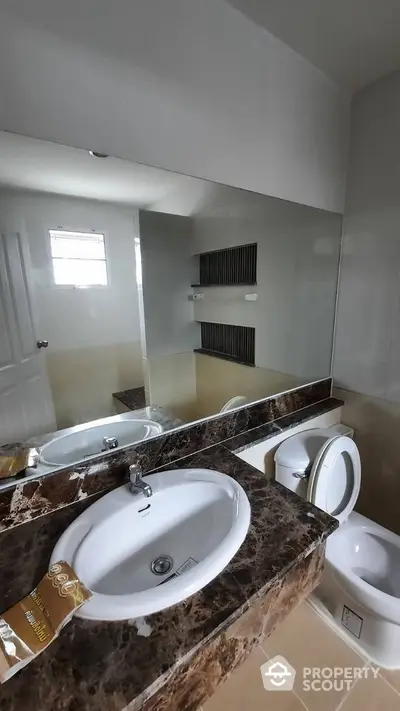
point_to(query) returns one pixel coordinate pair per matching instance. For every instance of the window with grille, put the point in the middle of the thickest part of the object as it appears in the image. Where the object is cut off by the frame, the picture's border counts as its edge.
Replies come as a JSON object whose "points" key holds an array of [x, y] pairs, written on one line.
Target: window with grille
{"points": [[79, 258]]}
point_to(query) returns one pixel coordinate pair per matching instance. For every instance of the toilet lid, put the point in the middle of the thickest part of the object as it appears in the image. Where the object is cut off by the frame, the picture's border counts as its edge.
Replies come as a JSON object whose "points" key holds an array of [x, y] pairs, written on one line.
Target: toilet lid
{"points": [[335, 478]]}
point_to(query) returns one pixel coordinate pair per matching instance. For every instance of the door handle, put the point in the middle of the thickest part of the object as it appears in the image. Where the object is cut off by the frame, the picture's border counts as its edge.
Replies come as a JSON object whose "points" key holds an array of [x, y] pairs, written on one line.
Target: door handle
{"points": [[42, 344]]}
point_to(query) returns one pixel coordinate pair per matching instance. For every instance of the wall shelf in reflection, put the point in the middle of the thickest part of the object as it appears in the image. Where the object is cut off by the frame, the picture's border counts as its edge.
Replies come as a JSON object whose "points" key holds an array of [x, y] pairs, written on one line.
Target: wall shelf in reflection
{"points": [[242, 283], [232, 266], [234, 343]]}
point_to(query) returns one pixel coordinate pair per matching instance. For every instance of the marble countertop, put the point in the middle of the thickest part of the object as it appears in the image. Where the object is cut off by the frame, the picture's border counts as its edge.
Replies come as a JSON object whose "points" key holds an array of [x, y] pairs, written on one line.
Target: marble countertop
{"points": [[134, 398], [106, 666]]}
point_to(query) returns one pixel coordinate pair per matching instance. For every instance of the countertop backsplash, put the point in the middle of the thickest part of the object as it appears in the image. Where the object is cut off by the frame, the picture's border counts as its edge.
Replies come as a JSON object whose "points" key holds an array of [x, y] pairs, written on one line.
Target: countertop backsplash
{"points": [[25, 501]]}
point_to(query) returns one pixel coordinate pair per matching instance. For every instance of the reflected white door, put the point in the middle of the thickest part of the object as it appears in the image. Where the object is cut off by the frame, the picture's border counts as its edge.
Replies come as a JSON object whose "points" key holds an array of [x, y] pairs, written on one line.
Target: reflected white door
{"points": [[26, 406]]}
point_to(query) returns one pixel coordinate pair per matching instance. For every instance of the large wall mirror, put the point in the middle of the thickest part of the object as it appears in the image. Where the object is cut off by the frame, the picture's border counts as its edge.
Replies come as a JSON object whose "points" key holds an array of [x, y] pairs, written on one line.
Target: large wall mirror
{"points": [[134, 300]]}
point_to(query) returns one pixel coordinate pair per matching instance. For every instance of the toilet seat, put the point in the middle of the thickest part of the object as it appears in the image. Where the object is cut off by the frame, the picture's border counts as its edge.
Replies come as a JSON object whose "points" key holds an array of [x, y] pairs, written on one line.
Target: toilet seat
{"points": [[335, 479]]}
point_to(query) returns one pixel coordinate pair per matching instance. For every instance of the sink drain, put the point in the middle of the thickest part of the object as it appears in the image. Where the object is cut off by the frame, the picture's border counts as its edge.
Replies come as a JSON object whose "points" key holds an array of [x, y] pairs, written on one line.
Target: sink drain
{"points": [[161, 565]]}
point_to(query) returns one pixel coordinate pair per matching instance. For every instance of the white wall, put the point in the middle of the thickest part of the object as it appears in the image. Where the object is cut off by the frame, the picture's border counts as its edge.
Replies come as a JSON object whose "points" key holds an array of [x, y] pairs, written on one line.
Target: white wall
{"points": [[367, 343], [189, 85], [168, 271], [297, 262], [168, 327], [367, 349]]}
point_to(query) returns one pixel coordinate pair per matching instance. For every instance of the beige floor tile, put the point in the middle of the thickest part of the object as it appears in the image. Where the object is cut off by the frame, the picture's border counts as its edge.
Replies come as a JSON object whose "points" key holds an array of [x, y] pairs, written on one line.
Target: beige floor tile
{"points": [[306, 641], [393, 677], [244, 691], [371, 694]]}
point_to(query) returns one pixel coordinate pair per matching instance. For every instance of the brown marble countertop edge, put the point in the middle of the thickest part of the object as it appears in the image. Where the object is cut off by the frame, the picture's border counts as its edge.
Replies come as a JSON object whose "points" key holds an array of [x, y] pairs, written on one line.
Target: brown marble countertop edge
{"points": [[158, 683], [250, 438]]}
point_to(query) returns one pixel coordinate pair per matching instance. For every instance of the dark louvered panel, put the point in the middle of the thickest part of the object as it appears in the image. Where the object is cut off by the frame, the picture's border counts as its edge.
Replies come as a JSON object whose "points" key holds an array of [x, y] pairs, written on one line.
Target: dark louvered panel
{"points": [[236, 343], [233, 266]]}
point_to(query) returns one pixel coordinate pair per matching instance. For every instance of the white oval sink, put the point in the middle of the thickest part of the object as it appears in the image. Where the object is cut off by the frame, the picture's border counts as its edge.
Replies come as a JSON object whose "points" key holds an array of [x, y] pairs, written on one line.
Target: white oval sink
{"points": [[194, 522], [82, 441]]}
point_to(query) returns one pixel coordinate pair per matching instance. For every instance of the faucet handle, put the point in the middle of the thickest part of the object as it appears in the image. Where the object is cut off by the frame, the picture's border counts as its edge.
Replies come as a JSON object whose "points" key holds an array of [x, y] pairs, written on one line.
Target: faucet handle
{"points": [[137, 483]]}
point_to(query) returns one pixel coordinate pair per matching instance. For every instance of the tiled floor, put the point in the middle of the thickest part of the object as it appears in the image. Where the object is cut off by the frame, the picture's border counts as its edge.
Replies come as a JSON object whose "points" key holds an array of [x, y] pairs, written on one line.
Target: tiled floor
{"points": [[306, 641]]}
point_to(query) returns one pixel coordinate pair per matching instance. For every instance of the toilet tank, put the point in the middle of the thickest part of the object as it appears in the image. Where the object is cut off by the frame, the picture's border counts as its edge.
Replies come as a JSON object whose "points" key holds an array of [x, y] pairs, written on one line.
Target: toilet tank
{"points": [[295, 456]]}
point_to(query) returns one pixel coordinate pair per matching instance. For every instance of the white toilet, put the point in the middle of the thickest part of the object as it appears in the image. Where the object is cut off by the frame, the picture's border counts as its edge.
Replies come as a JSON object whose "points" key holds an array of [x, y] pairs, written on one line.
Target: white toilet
{"points": [[360, 590]]}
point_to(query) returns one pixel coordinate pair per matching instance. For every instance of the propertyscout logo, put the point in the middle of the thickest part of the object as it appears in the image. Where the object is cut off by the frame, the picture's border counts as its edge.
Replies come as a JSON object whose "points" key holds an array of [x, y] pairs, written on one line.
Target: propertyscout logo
{"points": [[278, 675]]}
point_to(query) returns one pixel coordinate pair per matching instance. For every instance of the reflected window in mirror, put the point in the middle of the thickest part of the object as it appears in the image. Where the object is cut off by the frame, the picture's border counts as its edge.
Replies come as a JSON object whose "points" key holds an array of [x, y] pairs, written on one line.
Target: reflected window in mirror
{"points": [[78, 258]]}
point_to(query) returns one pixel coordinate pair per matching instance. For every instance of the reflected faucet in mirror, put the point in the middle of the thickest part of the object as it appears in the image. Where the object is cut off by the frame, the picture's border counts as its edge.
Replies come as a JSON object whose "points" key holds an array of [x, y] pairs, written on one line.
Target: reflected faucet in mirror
{"points": [[110, 443]]}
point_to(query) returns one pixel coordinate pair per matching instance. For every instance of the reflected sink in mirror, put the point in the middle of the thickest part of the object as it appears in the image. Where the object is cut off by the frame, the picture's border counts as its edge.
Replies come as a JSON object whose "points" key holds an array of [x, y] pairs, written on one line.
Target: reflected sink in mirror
{"points": [[156, 551], [77, 443]]}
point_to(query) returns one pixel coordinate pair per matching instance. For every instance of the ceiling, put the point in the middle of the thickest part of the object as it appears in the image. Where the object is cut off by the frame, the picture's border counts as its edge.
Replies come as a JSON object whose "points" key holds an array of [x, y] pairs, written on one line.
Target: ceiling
{"points": [[30, 164], [354, 42]]}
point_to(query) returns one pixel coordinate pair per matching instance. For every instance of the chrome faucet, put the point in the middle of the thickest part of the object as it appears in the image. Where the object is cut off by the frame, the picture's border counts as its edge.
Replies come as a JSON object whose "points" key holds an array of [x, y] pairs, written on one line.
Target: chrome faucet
{"points": [[110, 443], [136, 482]]}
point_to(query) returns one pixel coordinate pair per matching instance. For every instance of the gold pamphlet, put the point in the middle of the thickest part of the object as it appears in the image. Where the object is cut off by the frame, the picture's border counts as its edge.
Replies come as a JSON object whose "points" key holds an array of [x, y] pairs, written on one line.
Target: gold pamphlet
{"points": [[27, 628]]}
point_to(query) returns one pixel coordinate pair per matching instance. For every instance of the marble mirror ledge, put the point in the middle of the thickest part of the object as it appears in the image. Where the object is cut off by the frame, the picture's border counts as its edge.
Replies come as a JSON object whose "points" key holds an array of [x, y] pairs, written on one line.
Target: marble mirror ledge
{"points": [[204, 432], [189, 438], [26, 499], [239, 443]]}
